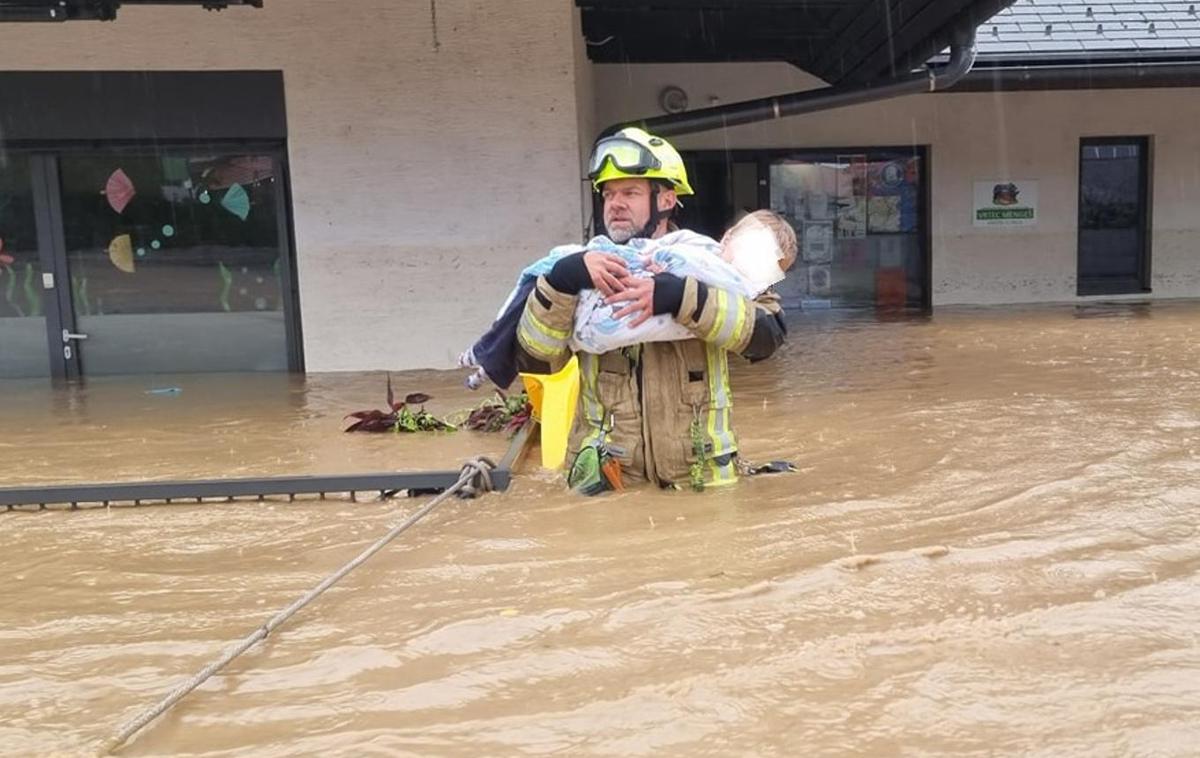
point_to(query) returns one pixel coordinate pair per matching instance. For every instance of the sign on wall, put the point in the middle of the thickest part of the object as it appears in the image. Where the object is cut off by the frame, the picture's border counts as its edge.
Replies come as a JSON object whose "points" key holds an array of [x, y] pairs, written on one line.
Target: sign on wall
{"points": [[1006, 202]]}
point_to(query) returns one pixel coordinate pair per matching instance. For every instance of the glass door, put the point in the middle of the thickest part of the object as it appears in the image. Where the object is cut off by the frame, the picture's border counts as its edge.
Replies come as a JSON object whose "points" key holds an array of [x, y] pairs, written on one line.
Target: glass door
{"points": [[1114, 213], [23, 349], [859, 218], [176, 259]]}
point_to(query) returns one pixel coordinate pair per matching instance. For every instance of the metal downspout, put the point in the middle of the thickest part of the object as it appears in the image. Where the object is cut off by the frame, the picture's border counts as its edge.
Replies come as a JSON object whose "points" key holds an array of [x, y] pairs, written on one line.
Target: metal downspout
{"points": [[929, 79]]}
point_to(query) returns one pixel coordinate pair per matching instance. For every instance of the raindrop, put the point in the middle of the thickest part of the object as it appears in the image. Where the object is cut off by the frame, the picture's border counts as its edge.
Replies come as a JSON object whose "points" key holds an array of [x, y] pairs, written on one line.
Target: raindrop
{"points": [[168, 230], [258, 280], [205, 197], [141, 251], [243, 292], [260, 303], [155, 244]]}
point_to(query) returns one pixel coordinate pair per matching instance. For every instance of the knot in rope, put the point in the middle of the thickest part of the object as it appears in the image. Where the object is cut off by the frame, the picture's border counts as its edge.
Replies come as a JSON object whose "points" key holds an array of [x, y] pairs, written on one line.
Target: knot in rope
{"points": [[480, 481]]}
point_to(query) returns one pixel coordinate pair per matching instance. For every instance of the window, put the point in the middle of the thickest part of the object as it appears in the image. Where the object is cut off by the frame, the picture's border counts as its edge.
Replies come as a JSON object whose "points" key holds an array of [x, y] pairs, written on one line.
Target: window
{"points": [[860, 218]]}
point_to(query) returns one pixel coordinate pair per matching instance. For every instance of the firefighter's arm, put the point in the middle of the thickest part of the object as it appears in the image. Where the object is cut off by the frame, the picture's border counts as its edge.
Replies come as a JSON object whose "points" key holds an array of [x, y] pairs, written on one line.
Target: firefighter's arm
{"points": [[753, 329], [549, 315], [545, 326]]}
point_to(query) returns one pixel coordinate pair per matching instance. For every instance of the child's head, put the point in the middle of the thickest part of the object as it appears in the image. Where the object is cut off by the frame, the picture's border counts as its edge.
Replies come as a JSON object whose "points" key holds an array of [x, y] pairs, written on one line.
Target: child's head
{"points": [[761, 246]]}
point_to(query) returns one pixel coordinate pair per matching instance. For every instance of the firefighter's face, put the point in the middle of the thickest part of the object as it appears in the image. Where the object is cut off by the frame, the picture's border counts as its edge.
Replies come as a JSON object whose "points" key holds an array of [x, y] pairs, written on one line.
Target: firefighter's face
{"points": [[627, 207]]}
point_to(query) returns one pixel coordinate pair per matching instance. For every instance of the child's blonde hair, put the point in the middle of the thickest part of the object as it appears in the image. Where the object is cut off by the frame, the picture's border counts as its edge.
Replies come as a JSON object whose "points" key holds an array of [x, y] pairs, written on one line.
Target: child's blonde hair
{"points": [[785, 235]]}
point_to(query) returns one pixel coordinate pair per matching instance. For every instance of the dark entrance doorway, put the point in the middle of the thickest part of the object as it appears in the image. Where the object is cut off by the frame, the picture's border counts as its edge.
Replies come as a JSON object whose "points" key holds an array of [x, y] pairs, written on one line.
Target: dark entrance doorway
{"points": [[1114, 216]]}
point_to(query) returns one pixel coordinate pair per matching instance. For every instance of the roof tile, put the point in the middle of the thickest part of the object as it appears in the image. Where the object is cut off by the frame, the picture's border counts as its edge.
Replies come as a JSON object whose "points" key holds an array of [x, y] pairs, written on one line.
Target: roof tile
{"points": [[1076, 25]]}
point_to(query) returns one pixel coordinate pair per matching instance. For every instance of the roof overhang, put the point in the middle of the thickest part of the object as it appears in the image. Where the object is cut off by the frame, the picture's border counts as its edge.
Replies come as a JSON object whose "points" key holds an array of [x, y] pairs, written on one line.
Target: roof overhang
{"points": [[839, 41]]}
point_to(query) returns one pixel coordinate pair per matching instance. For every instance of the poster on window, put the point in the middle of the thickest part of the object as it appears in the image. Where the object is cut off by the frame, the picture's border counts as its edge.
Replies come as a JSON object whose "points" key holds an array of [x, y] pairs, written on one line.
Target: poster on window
{"points": [[852, 196], [892, 196], [1006, 203]]}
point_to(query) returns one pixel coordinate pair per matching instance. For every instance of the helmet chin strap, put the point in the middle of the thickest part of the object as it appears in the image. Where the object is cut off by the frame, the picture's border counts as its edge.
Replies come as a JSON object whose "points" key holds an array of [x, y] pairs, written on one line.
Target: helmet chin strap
{"points": [[656, 216]]}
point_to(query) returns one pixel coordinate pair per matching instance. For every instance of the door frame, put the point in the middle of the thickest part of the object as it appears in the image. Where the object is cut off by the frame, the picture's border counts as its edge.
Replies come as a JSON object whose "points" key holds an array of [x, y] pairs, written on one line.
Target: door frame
{"points": [[59, 311], [1100, 286], [65, 363]]}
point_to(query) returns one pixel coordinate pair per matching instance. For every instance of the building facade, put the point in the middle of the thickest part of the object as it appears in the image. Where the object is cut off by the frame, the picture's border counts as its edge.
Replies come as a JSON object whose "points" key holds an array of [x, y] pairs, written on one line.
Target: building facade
{"points": [[354, 186]]}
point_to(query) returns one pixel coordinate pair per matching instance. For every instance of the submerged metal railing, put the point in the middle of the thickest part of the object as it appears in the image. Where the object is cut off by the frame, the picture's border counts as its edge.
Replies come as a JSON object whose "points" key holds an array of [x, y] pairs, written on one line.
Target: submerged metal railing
{"points": [[199, 490]]}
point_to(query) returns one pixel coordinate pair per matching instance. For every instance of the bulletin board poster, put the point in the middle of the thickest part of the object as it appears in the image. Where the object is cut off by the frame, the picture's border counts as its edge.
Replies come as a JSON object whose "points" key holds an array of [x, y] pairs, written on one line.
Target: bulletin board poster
{"points": [[1006, 203]]}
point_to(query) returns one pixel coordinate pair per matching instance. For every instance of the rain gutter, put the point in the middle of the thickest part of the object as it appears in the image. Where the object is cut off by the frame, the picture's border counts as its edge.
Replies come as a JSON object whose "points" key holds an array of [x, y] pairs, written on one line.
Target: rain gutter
{"points": [[928, 79], [1013, 78]]}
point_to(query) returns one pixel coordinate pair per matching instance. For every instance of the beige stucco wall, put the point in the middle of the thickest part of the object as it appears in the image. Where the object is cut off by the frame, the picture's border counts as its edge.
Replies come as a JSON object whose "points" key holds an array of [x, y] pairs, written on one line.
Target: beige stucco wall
{"points": [[427, 165], [585, 104], [972, 137]]}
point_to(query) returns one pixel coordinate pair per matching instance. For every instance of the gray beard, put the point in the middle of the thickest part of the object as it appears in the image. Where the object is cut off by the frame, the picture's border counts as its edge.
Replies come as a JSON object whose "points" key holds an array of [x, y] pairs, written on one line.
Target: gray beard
{"points": [[621, 236]]}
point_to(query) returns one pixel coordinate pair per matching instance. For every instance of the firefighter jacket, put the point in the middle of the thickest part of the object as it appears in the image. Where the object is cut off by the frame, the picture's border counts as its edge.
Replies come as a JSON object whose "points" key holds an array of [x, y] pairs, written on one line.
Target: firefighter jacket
{"points": [[663, 409]]}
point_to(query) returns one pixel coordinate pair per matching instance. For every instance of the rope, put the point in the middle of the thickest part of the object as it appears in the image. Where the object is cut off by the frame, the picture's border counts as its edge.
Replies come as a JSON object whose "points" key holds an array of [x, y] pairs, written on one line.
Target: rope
{"points": [[480, 481], [476, 477]]}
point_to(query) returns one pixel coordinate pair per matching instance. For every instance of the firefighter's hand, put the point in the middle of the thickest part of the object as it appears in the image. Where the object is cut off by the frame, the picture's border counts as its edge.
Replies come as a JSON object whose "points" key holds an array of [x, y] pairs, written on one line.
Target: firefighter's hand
{"points": [[638, 296], [608, 272]]}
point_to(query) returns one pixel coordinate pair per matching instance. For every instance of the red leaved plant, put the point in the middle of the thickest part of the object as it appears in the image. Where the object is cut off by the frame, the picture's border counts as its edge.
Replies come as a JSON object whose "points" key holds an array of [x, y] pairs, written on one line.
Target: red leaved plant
{"points": [[401, 417]]}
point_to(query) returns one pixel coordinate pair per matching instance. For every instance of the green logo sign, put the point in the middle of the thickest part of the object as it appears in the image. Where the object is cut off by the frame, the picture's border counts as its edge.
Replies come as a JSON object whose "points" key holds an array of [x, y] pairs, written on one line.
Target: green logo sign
{"points": [[1004, 214]]}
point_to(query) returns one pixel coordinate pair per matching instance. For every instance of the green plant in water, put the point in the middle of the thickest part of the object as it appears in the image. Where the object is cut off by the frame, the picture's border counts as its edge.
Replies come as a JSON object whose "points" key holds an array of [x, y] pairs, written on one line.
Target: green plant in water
{"points": [[420, 420], [401, 417], [499, 413]]}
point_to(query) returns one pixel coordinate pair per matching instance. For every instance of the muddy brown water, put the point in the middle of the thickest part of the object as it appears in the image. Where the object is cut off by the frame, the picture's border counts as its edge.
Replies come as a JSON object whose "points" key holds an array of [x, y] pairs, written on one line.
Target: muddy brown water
{"points": [[991, 548]]}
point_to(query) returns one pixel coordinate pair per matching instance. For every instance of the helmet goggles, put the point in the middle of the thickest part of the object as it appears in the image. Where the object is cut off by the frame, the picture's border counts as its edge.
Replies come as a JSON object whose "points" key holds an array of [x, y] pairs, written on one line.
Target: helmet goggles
{"points": [[626, 155]]}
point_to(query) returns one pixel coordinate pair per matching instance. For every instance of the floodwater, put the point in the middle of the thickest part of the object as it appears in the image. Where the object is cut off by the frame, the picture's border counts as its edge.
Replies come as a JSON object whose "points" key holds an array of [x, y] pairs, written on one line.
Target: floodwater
{"points": [[991, 548]]}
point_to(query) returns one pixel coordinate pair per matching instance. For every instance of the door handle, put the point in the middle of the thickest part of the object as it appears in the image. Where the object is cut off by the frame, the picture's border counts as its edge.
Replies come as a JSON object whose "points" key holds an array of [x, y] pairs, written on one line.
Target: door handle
{"points": [[68, 336]]}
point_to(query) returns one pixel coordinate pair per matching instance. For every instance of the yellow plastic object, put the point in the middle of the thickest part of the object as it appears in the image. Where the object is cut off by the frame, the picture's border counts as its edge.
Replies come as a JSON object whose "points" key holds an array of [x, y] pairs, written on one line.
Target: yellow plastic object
{"points": [[554, 398]]}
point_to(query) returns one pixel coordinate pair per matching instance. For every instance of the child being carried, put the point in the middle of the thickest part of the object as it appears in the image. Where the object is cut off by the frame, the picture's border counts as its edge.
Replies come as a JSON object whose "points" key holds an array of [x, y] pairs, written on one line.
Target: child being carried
{"points": [[752, 256]]}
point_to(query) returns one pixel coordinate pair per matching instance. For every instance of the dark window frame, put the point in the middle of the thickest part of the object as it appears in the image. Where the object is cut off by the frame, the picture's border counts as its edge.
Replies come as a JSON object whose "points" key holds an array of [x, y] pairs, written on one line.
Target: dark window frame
{"points": [[1097, 286]]}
